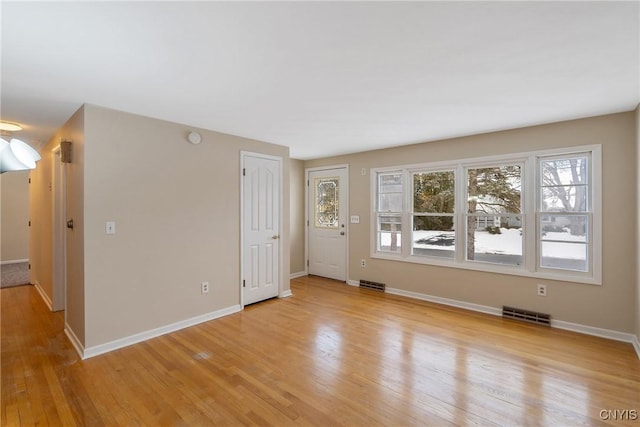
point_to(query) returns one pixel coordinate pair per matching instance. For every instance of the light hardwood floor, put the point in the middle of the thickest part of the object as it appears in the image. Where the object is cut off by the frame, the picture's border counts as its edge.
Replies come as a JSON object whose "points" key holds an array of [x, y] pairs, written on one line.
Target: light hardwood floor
{"points": [[329, 355]]}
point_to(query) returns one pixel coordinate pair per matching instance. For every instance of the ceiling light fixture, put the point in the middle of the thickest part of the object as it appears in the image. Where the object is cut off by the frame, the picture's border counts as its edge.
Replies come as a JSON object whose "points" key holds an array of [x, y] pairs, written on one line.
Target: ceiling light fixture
{"points": [[10, 127], [17, 156]]}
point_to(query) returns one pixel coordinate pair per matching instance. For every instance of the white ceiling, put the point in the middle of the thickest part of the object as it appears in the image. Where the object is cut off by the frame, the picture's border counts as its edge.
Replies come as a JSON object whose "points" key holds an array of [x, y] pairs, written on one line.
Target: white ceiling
{"points": [[323, 78]]}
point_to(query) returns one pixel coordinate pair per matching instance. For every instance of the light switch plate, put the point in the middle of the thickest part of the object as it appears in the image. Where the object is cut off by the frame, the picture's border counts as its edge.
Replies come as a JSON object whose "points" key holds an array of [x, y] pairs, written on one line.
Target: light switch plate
{"points": [[110, 227], [355, 219]]}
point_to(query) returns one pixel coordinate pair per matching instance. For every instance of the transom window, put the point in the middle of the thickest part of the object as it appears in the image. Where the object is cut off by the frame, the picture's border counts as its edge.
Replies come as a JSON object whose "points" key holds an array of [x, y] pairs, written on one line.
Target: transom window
{"points": [[531, 214]]}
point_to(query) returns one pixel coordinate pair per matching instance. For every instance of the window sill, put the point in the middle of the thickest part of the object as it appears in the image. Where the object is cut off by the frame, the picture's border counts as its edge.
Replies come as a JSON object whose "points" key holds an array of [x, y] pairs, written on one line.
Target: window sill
{"points": [[490, 268]]}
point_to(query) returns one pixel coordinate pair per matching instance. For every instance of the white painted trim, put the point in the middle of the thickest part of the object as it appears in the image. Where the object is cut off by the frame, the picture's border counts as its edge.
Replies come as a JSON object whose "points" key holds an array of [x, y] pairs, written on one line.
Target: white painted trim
{"points": [[75, 342], [559, 324], [153, 333], [298, 274], [592, 330], [285, 294], [44, 296], [636, 345], [14, 261], [353, 283], [446, 301]]}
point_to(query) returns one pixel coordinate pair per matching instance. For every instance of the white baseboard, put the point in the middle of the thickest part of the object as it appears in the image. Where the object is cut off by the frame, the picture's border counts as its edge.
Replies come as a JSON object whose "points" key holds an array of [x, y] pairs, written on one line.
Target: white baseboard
{"points": [[298, 274], [636, 345], [14, 261], [592, 330], [446, 301], [75, 342], [560, 324], [44, 296], [285, 294], [353, 283], [143, 336]]}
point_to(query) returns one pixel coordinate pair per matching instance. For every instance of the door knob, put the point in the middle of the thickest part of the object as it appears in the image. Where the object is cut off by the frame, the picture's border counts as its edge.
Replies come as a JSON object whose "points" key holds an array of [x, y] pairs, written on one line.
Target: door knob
{"points": [[342, 233], [70, 224], [276, 237]]}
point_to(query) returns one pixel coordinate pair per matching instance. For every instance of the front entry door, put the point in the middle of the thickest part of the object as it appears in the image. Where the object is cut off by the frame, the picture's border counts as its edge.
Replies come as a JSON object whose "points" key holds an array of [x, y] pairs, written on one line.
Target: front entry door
{"points": [[327, 199], [261, 227]]}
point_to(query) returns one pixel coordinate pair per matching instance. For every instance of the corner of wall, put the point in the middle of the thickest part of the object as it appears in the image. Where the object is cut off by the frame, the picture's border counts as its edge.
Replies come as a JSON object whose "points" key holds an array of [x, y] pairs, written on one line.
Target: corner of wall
{"points": [[637, 342]]}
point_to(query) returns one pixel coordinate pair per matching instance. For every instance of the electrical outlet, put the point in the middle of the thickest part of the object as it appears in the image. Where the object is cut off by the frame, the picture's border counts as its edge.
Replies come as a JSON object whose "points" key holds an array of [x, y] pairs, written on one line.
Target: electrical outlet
{"points": [[363, 263], [542, 290], [204, 287]]}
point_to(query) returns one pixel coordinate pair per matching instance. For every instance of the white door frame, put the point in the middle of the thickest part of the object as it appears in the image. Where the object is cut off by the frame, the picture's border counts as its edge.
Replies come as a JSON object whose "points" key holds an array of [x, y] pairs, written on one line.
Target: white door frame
{"points": [[307, 171], [281, 275], [59, 210]]}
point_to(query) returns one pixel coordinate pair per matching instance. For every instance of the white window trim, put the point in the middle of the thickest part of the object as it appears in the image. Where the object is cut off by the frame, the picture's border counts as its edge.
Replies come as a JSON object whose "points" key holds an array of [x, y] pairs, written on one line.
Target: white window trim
{"points": [[529, 161]]}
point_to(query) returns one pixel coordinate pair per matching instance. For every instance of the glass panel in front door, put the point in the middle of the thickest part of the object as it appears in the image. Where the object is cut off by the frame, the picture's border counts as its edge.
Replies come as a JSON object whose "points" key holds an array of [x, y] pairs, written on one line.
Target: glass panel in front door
{"points": [[326, 202]]}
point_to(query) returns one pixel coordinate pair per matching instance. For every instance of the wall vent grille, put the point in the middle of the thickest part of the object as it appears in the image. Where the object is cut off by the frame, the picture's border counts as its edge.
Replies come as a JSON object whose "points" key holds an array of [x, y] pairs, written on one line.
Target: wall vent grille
{"points": [[367, 284], [526, 315]]}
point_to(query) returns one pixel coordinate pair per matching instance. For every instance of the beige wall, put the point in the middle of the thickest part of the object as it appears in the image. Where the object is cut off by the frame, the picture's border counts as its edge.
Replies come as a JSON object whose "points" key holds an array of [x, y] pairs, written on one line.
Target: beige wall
{"points": [[41, 202], [14, 190], [297, 217], [177, 213], [610, 306]]}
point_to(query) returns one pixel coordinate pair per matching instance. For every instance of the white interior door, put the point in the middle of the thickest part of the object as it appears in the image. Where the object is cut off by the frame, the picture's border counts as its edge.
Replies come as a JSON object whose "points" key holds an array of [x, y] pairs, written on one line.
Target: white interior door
{"points": [[327, 222], [261, 227]]}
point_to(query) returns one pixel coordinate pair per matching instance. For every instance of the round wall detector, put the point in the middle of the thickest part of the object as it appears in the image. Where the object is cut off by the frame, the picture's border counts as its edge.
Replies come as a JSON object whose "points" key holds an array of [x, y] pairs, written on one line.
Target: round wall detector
{"points": [[194, 138]]}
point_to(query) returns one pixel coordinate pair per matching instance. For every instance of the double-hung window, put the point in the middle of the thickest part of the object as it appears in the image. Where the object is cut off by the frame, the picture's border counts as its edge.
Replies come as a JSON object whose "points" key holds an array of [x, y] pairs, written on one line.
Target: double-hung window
{"points": [[532, 214]]}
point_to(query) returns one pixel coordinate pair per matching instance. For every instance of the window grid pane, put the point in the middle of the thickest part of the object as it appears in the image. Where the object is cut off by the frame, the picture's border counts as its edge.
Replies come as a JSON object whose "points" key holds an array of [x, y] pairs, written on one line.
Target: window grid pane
{"points": [[494, 190], [434, 192], [389, 232], [564, 184], [495, 239], [433, 235], [390, 192]]}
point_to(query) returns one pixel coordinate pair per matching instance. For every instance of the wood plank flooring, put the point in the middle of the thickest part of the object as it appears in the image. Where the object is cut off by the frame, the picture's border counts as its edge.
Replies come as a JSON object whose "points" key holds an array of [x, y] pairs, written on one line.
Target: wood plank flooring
{"points": [[329, 355]]}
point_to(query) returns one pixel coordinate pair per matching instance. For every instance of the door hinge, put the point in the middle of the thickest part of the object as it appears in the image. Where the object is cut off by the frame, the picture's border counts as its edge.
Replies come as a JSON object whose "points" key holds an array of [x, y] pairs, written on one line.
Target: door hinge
{"points": [[244, 284], [307, 263], [307, 223], [307, 183], [244, 172], [29, 266], [29, 180], [29, 223]]}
